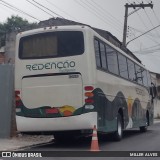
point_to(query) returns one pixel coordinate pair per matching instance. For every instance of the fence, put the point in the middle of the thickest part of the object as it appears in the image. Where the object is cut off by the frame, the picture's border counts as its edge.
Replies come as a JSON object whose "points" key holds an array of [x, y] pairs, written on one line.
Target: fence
{"points": [[6, 100]]}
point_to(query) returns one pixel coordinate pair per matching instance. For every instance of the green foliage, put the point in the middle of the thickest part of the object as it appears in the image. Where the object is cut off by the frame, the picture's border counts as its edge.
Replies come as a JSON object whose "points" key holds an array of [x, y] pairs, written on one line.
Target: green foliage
{"points": [[14, 23]]}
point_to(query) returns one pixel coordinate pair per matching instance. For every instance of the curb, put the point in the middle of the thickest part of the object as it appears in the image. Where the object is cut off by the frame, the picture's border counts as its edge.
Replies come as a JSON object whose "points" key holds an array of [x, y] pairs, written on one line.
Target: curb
{"points": [[24, 142], [30, 146]]}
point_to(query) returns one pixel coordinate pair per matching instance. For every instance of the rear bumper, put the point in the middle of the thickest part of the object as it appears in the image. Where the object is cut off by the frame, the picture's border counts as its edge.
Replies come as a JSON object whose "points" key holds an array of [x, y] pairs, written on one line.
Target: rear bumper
{"points": [[79, 122]]}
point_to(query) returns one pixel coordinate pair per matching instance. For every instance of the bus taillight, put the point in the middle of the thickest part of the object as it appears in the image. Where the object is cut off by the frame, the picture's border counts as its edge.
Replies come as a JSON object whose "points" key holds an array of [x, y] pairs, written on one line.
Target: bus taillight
{"points": [[89, 100], [88, 88], [88, 94], [17, 93], [17, 96]]}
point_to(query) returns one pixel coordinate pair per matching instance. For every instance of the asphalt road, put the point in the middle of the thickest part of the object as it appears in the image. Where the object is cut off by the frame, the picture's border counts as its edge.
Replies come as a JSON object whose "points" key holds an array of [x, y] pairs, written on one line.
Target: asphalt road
{"points": [[133, 140]]}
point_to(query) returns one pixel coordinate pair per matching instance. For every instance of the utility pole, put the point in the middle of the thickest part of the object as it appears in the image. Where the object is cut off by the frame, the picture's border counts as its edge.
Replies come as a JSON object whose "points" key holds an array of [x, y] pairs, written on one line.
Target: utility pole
{"points": [[134, 6]]}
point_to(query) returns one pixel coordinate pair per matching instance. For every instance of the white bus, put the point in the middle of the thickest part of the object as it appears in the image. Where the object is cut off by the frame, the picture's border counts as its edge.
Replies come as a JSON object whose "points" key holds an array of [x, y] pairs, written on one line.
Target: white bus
{"points": [[69, 78]]}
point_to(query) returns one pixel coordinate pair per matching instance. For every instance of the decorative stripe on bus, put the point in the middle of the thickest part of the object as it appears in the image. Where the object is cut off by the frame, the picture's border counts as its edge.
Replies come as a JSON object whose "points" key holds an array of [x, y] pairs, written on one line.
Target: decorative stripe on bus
{"points": [[107, 110]]}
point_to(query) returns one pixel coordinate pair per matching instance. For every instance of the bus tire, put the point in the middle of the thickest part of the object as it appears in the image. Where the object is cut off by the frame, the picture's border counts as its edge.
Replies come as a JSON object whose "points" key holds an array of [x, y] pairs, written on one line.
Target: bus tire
{"points": [[119, 132], [144, 128]]}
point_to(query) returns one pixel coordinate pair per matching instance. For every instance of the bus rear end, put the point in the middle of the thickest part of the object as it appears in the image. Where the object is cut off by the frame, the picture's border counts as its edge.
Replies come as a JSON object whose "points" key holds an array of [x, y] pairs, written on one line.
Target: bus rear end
{"points": [[51, 80]]}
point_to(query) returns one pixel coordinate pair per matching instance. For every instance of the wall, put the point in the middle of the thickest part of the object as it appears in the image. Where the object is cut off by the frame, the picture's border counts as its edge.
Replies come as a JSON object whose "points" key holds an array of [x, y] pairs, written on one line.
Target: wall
{"points": [[6, 100]]}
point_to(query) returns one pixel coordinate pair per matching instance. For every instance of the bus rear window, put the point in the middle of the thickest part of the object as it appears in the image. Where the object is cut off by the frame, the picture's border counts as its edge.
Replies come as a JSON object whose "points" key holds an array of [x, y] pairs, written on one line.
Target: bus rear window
{"points": [[51, 45]]}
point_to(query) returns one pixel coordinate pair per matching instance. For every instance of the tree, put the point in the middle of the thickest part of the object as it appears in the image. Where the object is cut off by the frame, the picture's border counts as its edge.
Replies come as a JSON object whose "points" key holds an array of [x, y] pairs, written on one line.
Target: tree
{"points": [[14, 23]]}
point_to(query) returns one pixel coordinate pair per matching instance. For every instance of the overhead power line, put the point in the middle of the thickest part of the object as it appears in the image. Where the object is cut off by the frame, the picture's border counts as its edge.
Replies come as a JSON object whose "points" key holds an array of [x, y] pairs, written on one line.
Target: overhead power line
{"points": [[141, 20], [148, 50], [103, 14], [6, 9], [142, 31], [108, 16], [39, 8], [143, 34], [9, 7], [156, 16], [152, 47], [100, 17], [17, 9], [51, 3], [91, 6], [108, 13], [151, 22], [149, 35], [48, 9]]}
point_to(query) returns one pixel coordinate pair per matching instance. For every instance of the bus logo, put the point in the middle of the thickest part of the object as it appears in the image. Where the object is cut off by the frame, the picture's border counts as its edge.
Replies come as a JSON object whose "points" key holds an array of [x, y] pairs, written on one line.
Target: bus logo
{"points": [[51, 65]]}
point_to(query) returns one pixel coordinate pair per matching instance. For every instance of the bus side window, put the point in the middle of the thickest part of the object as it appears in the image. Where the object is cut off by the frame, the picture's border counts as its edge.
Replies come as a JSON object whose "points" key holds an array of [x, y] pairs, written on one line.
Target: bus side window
{"points": [[144, 76], [158, 92], [123, 69], [138, 74], [131, 70], [112, 60], [97, 52], [103, 56], [153, 91], [149, 79]]}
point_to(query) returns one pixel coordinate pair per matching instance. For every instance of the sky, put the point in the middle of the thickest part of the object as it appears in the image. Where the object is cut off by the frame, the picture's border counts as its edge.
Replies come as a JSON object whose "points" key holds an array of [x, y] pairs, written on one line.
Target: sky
{"points": [[103, 14]]}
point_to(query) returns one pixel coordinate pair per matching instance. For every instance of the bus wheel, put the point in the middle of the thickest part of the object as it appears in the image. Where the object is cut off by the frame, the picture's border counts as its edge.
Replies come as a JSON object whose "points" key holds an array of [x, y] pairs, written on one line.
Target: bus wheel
{"points": [[119, 132], [144, 128]]}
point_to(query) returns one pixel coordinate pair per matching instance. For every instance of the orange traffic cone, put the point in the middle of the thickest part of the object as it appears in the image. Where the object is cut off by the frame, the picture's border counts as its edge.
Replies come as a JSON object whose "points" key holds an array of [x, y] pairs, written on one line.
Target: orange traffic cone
{"points": [[94, 143]]}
